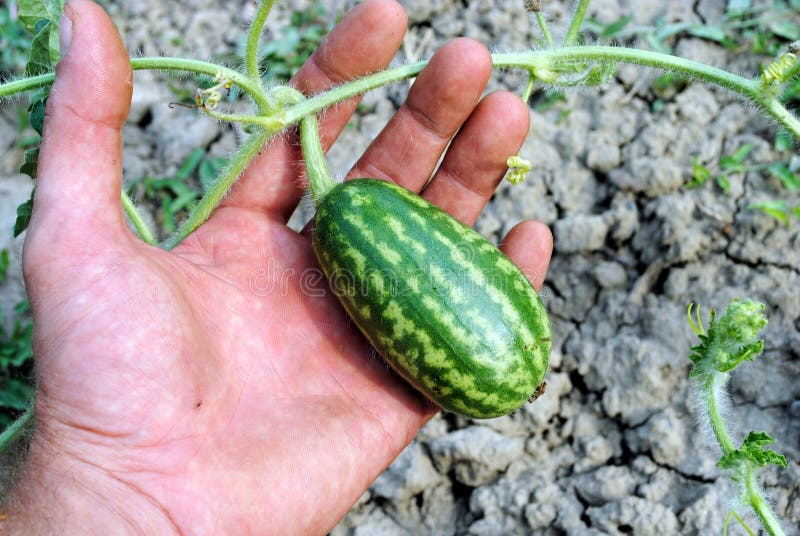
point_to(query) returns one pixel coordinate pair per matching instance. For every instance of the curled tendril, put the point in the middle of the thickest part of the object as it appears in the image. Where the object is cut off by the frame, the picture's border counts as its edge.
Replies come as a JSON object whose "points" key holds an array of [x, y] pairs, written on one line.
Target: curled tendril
{"points": [[698, 326], [779, 70]]}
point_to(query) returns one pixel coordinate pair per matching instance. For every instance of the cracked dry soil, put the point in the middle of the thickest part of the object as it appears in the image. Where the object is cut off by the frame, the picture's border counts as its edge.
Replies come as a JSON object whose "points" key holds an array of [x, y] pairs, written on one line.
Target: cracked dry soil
{"points": [[613, 447]]}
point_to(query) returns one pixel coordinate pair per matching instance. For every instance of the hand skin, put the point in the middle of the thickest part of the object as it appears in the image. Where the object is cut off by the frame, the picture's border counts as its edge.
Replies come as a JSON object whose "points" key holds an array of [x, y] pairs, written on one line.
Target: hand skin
{"points": [[178, 393]]}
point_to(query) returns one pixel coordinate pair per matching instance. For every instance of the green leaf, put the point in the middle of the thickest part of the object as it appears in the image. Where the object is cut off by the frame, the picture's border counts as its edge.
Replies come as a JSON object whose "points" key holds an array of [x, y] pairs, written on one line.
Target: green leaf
{"points": [[731, 340], [735, 6], [777, 209], [39, 57], [4, 264], [209, 170], [24, 212], [189, 165], [752, 449], [41, 18], [711, 33], [723, 183], [786, 29], [36, 113], [783, 141], [31, 162], [15, 394], [780, 171], [700, 174], [607, 30]]}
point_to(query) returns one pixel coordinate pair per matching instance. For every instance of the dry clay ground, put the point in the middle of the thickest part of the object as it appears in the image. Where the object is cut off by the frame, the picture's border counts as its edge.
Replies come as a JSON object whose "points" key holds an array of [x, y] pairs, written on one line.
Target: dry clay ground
{"points": [[614, 446]]}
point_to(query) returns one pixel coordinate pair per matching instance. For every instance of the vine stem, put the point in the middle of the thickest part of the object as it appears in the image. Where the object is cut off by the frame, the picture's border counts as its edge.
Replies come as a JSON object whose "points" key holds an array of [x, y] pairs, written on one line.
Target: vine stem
{"points": [[136, 219], [712, 392], [252, 88], [575, 25], [548, 59], [15, 429], [253, 37], [216, 193], [545, 30], [542, 59]]}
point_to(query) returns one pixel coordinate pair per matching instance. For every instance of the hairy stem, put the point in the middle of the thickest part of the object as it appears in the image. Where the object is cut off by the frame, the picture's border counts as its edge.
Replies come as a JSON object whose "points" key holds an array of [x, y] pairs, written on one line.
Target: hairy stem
{"points": [[545, 30], [526, 95], [541, 59], [712, 389], [136, 219], [319, 176], [577, 20], [156, 63], [548, 59], [216, 193], [15, 429], [712, 392], [253, 37], [759, 505]]}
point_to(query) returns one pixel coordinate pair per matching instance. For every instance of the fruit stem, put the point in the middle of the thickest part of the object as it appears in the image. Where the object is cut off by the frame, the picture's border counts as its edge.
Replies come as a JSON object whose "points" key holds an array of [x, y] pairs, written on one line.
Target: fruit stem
{"points": [[319, 176]]}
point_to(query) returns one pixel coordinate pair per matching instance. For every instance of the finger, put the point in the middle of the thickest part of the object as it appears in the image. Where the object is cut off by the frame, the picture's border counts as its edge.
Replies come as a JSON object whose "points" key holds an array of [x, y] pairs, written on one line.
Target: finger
{"points": [[530, 245], [476, 160], [365, 41], [441, 99], [80, 163]]}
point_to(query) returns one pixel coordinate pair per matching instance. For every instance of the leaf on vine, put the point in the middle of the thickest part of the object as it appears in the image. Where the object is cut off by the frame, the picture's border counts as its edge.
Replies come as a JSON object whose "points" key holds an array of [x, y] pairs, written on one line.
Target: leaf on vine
{"points": [[731, 339], [752, 450], [36, 112], [31, 163], [24, 212], [41, 18], [32, 11], [710, 33], [39, 56]]}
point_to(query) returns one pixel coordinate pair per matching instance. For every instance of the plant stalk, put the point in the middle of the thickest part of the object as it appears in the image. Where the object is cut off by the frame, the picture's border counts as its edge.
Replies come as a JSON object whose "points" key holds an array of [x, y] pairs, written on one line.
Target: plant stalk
{"points": [[575, 25], [136, 219], [216, 193], [253, 38], [15, 429], [545, 30], [748, 88], [157, 63], [319, 176], [712, 388]]}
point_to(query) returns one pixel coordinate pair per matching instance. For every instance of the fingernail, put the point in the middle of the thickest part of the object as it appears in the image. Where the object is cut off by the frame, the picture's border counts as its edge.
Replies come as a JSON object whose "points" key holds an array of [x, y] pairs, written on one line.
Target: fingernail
{"points": [[65, 31]]}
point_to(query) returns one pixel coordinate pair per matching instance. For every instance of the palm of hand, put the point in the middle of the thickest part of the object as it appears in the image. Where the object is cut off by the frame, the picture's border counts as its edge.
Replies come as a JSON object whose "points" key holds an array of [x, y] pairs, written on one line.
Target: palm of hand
{"points": [[187, 367], [221, 382]]}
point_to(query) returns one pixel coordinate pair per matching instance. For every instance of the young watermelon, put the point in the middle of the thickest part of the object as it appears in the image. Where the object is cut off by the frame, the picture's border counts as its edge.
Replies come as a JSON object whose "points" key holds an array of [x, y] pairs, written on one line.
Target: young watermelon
{"points": [[444, 307]]}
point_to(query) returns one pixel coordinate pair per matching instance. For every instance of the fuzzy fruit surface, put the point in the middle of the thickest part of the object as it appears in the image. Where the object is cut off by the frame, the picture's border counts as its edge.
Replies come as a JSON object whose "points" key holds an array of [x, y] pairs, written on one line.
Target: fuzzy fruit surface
{"points": [[442, 305]]}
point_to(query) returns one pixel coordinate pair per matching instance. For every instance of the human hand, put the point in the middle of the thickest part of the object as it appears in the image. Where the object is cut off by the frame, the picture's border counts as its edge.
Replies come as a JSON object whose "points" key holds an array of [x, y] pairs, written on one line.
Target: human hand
{"points": [[174, 393]]}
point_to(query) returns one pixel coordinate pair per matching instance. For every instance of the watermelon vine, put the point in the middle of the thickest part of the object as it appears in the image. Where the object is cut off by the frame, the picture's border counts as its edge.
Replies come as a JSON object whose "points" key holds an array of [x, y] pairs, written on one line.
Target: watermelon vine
{"points": [[724, 345]]}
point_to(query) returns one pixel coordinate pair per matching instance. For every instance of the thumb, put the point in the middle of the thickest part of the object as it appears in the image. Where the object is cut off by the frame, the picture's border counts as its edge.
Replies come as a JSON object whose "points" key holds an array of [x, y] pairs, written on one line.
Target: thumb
{"points": [[80, 163]]}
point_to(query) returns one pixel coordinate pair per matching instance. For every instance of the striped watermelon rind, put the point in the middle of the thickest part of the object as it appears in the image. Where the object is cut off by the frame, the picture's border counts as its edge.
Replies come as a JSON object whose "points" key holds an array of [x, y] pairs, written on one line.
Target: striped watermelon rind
{"points": [[444, 307]]}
